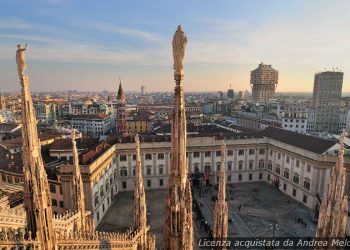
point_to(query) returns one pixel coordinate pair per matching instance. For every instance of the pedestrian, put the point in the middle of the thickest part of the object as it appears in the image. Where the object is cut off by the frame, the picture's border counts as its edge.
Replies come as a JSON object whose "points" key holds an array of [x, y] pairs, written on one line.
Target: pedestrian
{"points": [[239, 208]]}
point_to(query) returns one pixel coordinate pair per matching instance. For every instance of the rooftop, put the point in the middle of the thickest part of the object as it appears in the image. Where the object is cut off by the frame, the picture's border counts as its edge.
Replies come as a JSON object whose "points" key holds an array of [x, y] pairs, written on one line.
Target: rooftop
{"points": [[307, 142], [66, 143], [99, 116]]}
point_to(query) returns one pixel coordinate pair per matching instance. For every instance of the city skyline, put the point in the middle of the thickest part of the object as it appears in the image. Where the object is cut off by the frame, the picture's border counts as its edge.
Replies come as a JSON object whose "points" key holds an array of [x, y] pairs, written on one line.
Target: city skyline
{"points": [[87, 47]]}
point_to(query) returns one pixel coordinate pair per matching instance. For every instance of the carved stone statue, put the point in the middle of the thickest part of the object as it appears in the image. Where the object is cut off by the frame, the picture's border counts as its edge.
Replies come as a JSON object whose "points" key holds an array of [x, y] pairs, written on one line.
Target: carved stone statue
{"points": [[179, 43], [20, 59]]}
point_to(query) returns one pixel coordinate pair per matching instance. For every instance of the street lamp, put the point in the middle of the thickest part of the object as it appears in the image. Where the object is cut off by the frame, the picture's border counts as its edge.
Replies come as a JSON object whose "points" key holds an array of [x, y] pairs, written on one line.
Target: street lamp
{"points": [[274, 226]]}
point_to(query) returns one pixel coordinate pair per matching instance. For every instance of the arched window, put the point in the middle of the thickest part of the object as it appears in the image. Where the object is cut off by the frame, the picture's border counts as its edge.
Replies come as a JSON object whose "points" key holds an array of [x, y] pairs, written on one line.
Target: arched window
{"points": [[261, 163], [296, 178], [123, 172], [269, 165], [229, 166], [161, 169], [307, 183], [240, 165], [278, 169], [148, 170], [251, 164]]}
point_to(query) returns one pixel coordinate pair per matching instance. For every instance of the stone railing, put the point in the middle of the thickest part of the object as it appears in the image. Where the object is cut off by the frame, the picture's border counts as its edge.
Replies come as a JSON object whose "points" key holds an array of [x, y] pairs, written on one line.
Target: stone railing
{"points": [[105, 240], [19, 239], [11, 218]]}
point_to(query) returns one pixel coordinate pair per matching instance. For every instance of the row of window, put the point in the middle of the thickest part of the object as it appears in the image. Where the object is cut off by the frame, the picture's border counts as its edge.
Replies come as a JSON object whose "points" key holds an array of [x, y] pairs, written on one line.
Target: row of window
{"points": [[160, 156], [207, 168], [297, 162], [9, 179], [296, 177]]}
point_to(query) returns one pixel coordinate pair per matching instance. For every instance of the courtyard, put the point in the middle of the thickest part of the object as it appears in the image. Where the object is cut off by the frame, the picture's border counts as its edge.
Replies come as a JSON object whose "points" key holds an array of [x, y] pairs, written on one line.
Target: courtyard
{"points": [[253, 208]]}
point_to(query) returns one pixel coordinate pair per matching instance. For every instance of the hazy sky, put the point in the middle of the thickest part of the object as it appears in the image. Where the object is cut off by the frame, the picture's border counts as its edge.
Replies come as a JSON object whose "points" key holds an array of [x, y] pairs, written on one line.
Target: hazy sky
{"points": [[87, 45]]}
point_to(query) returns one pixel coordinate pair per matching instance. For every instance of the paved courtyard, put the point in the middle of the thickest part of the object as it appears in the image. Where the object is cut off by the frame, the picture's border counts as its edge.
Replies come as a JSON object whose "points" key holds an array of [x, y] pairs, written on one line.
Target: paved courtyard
{"points": [[261, 204]]}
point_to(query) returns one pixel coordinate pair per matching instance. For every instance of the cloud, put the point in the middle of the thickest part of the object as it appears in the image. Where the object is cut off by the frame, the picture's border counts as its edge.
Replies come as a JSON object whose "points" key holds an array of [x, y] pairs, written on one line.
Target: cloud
{"points": [[137, 33], [60, 50], [18, 24]]}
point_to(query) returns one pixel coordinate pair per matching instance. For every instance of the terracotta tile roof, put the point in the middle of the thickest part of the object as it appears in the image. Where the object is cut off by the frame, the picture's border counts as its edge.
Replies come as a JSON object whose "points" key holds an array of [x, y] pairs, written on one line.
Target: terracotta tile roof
{"points": [[13, 162], [66, 143], [17, 142], [93, 154]]}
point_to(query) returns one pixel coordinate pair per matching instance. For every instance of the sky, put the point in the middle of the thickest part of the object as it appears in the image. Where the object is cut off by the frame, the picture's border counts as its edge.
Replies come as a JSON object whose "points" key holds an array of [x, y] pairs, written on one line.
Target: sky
{"points": [[87, 45]]}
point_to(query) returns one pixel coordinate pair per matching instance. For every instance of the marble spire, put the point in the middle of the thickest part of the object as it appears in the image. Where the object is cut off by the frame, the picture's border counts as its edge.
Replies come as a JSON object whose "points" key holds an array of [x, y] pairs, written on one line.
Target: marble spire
{"points": [[221, 212], [78, 188], [140, 219], [178, 230], [37, 197], [333, 216]]}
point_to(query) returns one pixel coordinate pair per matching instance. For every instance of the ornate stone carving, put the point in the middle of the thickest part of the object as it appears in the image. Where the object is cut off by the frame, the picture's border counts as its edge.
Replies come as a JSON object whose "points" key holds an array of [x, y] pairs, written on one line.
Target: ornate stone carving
{"points": [[178, 230], [221, 210], [140, 219], [179, 44], [21, 59], [333, 216]]}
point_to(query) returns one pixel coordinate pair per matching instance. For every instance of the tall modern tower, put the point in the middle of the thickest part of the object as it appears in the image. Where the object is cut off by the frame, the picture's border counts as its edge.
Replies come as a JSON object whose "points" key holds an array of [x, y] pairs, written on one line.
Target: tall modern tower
{"points": [[263, 81], [325, 113], [230, 93], [37, 198], [178, 231], [143, 90], [122, 125]]}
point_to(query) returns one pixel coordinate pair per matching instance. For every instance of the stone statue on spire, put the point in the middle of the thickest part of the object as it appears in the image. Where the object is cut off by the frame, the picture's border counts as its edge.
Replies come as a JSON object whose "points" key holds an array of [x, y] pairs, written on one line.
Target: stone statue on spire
{"points": [[179, 44], [178, 230], [21, 59]]}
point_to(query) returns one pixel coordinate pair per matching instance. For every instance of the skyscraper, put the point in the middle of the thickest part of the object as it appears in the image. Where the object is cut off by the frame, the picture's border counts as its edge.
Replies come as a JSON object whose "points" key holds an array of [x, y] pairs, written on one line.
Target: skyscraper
{"points": [[143, 90], [326, 102], [230, 93], [263, 81]]}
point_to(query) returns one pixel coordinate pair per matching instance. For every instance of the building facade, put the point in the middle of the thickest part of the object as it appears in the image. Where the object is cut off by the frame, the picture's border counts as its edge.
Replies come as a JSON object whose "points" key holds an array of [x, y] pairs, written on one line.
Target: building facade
{"points": [[326, 102], [263, 81], [92, 125], [294, 118]]}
